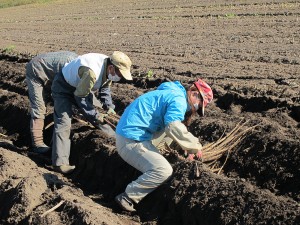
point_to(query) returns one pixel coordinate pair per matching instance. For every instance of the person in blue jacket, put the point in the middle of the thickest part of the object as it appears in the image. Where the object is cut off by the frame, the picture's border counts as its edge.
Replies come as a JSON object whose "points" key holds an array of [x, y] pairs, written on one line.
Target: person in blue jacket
{"points": [[165, 110]]}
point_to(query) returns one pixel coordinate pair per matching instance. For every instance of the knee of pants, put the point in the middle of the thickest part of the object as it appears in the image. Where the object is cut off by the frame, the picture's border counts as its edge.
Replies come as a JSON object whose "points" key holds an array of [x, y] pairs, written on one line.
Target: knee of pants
{"points": [[165, 172], [38, 114]]}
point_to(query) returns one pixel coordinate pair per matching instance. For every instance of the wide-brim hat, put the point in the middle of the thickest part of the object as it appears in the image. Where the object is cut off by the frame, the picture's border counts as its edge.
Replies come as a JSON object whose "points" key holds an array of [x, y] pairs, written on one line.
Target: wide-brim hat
{"points": [[123, 63], [205, 92]]}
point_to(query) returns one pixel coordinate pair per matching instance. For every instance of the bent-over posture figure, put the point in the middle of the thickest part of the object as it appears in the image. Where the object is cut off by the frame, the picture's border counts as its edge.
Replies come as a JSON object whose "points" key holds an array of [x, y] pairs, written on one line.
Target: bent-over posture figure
{"points": [[159, 111], [75, 86]]}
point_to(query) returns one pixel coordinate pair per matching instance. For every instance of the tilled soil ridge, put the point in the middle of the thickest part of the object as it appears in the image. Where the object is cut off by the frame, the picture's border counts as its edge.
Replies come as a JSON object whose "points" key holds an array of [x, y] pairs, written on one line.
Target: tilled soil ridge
{"points": [[259, 184], [27, 191]]}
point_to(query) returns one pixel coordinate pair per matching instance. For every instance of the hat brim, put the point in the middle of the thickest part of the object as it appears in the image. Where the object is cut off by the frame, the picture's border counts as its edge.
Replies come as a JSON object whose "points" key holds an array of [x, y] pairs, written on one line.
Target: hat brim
{"points": [[201, 110], [126, 74]]}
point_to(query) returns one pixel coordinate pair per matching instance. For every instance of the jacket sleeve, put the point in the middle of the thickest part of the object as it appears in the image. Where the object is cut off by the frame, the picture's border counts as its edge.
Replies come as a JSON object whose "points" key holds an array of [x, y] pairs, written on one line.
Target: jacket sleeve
{"points": [[176, 109], [86, 83], [87, 108], [179, 133], [84, 96], [105, 96]]}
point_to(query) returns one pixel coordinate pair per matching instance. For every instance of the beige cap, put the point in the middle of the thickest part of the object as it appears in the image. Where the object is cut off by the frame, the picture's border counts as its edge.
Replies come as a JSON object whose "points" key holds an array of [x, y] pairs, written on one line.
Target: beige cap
{"points": [[123, 62]]}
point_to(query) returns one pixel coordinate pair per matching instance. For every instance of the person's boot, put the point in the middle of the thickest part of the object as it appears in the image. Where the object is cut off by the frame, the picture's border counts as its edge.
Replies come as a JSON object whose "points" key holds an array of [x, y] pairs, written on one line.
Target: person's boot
{"points": [[36, 130], [125, 202], [65, 169]]}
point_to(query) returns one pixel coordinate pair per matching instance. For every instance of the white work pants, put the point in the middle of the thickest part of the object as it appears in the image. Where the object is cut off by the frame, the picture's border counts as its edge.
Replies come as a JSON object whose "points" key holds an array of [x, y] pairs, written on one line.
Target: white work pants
{"points": [[146, 158]]}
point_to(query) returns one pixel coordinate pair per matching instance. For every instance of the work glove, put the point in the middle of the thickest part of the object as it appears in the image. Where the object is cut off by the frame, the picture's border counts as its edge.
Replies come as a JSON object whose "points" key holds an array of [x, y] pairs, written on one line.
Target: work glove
{"points": [[100, 118], [111, 111], [199, 155], [191, 157]]}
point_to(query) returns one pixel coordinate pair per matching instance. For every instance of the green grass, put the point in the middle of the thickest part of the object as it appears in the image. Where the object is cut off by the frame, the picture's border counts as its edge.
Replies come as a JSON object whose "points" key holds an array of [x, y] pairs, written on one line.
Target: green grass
{"points": [[149, 74], [9, 49], [12, 3]]}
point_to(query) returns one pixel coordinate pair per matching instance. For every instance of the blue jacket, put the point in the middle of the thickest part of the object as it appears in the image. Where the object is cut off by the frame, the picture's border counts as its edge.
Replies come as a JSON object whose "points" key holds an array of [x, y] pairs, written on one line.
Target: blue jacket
{"points": [[153, 111]]}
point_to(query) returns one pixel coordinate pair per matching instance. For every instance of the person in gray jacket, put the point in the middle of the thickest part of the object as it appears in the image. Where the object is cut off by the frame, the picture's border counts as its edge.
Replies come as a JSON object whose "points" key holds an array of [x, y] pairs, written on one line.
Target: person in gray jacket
{"points": [[40, 72], [75, 86]]}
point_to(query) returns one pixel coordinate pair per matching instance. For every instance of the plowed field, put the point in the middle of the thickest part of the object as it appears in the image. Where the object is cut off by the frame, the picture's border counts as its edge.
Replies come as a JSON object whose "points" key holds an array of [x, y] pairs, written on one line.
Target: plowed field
{"points": [[248, 51]]}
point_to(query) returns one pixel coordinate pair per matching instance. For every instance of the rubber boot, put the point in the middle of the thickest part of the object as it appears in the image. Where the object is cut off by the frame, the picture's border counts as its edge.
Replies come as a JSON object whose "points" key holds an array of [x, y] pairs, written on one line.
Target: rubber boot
{"points": [[64, 169], [36, 130], [125, 202]]}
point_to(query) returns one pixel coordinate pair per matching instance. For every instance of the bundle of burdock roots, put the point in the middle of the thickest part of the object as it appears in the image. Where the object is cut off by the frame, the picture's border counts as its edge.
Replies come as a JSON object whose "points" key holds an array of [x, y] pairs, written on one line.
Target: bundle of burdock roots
{"points": [[212, 152]]}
